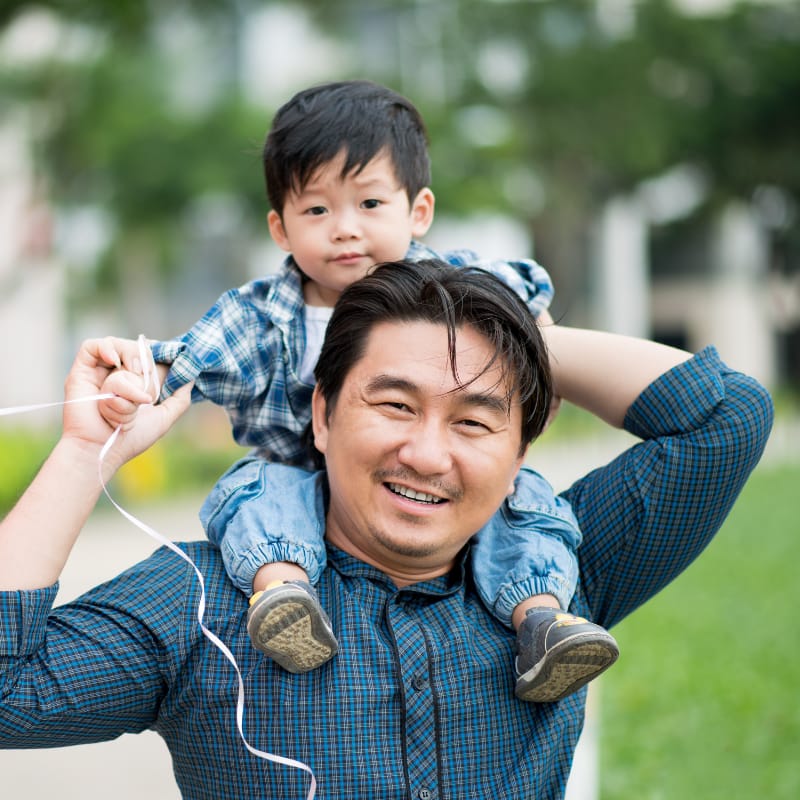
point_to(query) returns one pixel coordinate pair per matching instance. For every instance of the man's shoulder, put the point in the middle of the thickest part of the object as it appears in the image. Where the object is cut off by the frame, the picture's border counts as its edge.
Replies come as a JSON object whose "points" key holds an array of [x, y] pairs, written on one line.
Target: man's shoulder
{"points": [[181, 569]]}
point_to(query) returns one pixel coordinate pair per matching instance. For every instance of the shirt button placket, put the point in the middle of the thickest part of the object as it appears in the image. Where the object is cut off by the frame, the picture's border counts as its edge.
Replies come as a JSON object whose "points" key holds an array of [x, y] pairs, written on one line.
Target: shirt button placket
{"points": [[420, 717]]}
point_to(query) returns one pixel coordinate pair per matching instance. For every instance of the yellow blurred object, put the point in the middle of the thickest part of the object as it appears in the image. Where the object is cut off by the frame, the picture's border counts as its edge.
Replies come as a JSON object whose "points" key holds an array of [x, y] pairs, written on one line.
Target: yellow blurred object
{"points": [[144, 476]]}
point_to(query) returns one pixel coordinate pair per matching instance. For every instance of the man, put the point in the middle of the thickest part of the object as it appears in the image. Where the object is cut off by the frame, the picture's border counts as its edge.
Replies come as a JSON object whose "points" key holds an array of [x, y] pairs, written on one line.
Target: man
{"points": [[431, 383]]}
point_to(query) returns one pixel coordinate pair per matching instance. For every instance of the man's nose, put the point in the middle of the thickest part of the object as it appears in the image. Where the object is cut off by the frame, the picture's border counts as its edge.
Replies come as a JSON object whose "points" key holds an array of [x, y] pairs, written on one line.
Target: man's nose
{"points": [[426, 449]]}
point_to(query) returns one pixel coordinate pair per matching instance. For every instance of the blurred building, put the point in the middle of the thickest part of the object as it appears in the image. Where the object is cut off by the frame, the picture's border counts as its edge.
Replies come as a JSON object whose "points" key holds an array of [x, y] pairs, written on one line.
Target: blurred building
{"points": [[32, 287], [648, 265]]}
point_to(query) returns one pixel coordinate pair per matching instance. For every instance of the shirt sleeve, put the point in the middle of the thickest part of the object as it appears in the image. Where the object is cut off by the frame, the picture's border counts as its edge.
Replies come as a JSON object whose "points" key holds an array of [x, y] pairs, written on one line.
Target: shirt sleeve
{"points": [[223, 353], [649, 513], [92, 669], [526, 277]]}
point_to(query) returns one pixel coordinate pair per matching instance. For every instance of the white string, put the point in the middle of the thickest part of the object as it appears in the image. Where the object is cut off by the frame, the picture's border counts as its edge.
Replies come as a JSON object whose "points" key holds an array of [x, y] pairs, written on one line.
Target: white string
{"points": [[22, 409], [150, 374]]}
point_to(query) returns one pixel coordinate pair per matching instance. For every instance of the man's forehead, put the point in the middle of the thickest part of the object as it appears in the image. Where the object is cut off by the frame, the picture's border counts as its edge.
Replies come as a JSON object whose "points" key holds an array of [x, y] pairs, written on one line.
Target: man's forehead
{"points": [[415, 352]]}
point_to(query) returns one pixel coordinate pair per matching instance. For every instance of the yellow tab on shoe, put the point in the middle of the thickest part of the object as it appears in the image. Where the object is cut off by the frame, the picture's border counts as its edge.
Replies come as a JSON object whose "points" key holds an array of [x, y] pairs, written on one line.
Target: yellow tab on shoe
{"points": [[569, 619]]}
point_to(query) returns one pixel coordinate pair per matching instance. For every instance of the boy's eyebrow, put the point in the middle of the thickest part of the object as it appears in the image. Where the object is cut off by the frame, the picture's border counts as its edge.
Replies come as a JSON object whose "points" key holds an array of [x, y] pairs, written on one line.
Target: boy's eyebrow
{"points": [[491, 402]]}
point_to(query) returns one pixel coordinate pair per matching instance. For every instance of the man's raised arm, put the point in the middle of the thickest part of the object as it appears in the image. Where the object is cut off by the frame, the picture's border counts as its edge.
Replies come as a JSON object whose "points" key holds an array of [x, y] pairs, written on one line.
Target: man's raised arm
{"points": [[37, 535], [650, 512]]}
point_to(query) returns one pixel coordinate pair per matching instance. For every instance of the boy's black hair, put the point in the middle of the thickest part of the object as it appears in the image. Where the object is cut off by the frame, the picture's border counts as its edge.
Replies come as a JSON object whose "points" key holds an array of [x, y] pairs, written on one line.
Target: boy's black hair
{"points": [[434, 291], [360, 118]]}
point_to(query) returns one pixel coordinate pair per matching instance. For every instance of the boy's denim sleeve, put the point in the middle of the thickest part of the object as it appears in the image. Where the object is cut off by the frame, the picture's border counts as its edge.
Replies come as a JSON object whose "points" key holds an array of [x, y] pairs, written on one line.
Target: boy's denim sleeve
{"points": [[527, 548], [260, 512]]}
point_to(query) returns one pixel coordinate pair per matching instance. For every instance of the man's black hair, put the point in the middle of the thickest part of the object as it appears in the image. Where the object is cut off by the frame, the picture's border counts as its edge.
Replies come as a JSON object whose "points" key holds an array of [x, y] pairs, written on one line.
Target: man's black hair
{"points": [[433, 291]]}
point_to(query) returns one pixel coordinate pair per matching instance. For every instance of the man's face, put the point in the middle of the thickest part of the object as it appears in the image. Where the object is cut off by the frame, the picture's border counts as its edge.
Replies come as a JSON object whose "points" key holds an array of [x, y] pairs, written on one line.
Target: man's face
{"points": [[338, 227], [417, 465]]}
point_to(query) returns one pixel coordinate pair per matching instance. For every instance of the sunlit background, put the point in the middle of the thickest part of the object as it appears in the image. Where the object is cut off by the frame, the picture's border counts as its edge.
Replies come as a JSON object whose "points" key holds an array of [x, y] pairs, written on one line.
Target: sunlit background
{"points": [[646, 153]]}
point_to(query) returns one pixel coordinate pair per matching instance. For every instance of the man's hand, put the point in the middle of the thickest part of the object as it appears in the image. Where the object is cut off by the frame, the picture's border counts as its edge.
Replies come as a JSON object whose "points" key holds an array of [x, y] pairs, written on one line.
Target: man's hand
{"points": [[114, 365]]}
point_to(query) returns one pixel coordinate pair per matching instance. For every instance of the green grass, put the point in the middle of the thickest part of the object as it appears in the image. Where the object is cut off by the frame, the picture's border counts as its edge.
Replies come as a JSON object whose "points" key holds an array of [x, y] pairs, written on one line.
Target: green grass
{"points": [[704, 702]]}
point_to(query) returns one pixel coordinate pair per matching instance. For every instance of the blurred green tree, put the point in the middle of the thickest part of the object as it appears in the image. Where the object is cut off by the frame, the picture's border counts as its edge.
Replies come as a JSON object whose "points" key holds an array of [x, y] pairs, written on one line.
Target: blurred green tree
{"points": [[543, 110]]}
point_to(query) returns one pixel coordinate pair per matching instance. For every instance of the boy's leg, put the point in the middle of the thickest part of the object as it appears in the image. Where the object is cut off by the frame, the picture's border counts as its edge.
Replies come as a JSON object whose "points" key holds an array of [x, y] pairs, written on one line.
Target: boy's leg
{"points": [[268, 521], [525, 569]]}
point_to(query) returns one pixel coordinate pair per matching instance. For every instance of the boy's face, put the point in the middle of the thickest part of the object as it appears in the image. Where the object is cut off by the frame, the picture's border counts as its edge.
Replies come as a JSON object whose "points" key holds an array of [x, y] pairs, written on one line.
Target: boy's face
{"points": [[337, 227]]}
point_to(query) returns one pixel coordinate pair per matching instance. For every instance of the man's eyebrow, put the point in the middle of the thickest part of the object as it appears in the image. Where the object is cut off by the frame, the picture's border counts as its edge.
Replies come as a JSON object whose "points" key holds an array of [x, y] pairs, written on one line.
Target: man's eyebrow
{"points": [[491, 402], [383, 381]]}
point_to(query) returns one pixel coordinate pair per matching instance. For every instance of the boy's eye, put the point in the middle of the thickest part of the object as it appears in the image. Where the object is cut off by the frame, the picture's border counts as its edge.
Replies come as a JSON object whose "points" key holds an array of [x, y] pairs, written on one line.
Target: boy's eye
{"points": [[316, 211], [371, 203]]}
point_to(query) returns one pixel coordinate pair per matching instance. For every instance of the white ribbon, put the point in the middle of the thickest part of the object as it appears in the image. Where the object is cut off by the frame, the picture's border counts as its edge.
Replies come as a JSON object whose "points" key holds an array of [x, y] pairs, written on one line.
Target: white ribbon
{"points": [[150, 374]]}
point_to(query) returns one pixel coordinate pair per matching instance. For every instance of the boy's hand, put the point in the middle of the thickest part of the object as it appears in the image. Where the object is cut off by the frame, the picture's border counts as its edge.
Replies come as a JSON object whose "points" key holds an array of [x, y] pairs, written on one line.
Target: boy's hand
{"points": [[130, 393], [133, 381]]}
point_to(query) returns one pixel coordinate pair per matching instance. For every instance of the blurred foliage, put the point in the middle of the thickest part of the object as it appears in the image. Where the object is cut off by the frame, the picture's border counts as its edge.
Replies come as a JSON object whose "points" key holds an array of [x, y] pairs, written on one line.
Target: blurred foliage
{"points": [[542, 110], [23, 452], [183, 463], [126, 19]]}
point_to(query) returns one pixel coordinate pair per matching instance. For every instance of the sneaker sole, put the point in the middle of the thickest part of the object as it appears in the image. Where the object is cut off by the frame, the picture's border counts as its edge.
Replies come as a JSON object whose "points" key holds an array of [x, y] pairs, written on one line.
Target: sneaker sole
{"points": [[566, 668], [292, 634]]}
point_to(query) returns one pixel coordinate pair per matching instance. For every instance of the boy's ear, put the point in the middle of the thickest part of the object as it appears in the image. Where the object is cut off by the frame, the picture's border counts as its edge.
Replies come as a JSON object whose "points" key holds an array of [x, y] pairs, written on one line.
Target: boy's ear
{"points": [[422, 212], [277, 231], [319, 421]]}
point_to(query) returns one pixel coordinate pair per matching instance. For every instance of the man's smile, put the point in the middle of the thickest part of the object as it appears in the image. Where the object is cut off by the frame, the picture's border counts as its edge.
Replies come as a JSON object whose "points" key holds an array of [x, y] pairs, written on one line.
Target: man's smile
{"points": [[412, 494]]}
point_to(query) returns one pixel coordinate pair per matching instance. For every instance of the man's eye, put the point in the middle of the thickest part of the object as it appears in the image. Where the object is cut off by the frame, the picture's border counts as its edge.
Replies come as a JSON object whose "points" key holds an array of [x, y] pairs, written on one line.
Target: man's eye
{"points": [[371, 203], [474, 423]]}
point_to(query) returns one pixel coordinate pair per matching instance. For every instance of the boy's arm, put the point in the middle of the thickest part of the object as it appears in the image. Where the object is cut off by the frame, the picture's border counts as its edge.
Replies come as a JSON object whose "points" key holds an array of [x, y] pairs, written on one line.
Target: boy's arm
{"points": [[229, 354], [526, 277]]}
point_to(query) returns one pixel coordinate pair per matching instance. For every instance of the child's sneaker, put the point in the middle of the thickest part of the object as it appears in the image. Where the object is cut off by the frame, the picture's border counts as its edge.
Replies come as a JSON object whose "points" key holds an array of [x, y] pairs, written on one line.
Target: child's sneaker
{"points": [[287, 623], [557, 653]]}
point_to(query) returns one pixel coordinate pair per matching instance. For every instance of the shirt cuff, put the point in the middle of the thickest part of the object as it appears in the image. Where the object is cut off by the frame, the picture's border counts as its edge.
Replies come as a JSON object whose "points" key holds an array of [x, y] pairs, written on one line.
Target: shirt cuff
{"points": [[182, 370], [23, 620], [681, 400]]}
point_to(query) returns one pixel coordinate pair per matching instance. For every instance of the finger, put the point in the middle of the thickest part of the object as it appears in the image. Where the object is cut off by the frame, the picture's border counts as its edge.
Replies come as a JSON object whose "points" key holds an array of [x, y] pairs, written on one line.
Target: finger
{"points": [[129, 386], [177, 403], [107, 352]]}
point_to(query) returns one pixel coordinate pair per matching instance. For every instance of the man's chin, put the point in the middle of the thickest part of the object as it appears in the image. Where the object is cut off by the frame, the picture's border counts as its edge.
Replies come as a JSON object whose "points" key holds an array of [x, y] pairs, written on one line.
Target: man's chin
{"points": [[409, 548]]}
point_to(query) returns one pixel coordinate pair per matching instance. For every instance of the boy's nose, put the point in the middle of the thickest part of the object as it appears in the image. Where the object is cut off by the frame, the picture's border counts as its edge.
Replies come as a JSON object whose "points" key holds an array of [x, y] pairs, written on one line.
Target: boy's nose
{"points": [[345, 227]]}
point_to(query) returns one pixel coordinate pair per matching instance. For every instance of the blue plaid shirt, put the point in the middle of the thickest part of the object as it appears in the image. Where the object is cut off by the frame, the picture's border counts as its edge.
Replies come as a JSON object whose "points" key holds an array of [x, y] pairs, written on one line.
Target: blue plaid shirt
{"points": [[245, 353], [419, 702]]}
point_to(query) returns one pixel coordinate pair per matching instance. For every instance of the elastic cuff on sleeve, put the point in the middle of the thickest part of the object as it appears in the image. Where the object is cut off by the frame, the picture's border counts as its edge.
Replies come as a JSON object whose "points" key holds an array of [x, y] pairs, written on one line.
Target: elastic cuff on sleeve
{"points": [[511, 595], [242, 567]]}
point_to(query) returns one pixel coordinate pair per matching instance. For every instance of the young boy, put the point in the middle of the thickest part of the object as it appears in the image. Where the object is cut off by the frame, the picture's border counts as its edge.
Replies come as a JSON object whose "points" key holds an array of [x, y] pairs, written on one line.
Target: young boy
{"points": [[347, 173]]}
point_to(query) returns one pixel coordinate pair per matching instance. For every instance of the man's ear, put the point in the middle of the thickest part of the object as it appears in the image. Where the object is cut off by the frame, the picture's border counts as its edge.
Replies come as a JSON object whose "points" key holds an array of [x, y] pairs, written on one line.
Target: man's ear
{"points": [[319, 420], [422, 212], [277, 231], [511, 487]]}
